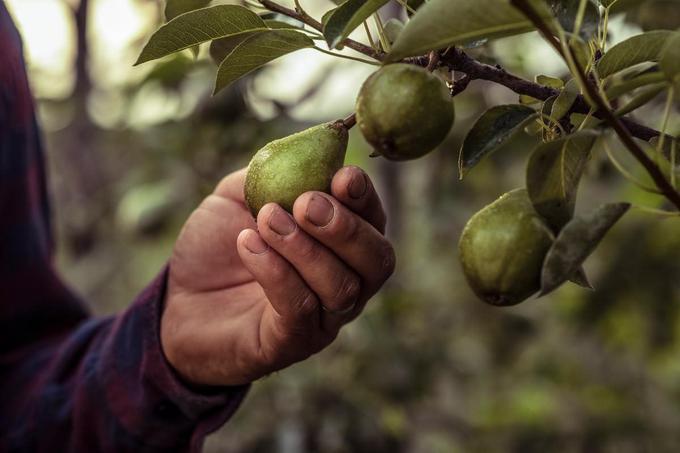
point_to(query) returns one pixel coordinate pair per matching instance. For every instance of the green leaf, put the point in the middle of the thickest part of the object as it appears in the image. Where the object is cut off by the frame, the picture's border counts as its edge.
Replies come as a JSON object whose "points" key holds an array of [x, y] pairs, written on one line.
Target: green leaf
{"points": [[580, 278], [494, 128], [393, 28], [346, 17], [221, 48], [553, 174], [635, 50], [174, 8], [443, 23], [577, 240], [644, 96], [637, 81], [565, 100], [552, 82], [566, 10], [258, 50], [199, 26], [669, 60]]}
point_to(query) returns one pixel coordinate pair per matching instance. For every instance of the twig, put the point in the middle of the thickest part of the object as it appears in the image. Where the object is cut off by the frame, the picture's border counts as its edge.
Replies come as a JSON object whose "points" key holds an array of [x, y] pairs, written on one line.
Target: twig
{"points": [[624, 134], [355, 45]]}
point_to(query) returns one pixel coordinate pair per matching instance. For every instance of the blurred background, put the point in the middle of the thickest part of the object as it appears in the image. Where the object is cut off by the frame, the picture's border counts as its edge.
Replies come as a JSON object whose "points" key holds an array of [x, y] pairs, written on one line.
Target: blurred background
{"points": [[428, 368]]}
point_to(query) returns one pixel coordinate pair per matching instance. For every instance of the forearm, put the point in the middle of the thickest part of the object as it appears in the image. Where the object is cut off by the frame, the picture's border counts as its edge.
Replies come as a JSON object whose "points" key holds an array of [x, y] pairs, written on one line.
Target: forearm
{"points": [[107, 387]]}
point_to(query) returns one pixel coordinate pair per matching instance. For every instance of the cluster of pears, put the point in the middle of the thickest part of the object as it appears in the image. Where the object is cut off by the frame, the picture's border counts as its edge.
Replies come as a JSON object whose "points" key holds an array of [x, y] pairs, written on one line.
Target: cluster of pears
{"points": [[403, 111], [502, 250]]}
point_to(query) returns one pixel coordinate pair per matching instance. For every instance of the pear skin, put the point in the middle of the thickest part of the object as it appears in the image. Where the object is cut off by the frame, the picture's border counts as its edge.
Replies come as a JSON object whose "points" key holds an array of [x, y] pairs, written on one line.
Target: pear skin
{"points": [[502, 249], [286, 168]]}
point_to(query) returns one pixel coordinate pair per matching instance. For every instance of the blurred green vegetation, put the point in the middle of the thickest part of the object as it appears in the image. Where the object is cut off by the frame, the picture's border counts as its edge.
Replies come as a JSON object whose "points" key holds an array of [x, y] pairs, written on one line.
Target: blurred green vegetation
{"points": [[428, 368]]}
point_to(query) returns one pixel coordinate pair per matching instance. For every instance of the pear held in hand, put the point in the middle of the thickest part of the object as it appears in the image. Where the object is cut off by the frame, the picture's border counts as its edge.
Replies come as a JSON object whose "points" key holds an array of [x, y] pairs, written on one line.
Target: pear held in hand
{"points": [[502, 249], [286, 168], [404, 111]]}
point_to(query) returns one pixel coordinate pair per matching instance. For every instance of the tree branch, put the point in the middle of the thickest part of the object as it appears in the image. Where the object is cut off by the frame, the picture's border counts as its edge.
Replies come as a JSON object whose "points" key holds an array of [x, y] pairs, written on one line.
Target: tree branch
{"points": [[459, 61], [593, 93]]}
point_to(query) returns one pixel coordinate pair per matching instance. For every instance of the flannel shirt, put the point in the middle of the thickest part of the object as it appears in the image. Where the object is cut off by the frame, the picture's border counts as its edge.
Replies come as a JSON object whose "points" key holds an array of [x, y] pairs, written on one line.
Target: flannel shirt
{"points": [[70, 382]]}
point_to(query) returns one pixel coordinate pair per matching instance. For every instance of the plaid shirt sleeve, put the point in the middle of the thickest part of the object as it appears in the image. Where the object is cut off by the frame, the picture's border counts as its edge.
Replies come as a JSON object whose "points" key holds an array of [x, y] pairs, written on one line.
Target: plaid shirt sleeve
{"points": [[70, 382]]}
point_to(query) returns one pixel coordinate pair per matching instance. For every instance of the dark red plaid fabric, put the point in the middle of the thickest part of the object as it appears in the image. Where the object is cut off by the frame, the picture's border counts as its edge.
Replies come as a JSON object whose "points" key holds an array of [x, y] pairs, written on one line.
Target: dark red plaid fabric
{"points": [[70, 382]]}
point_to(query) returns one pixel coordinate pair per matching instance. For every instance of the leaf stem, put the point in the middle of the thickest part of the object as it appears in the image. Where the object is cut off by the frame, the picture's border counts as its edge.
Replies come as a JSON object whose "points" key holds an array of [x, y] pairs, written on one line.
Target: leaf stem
{"points": [[384, 42], [347, 57], [370, 36], [666, 117]]}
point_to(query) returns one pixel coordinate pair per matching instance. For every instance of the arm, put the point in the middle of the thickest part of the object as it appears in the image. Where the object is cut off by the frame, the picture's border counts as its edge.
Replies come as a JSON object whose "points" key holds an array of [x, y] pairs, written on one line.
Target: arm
{"points": [[69, 382]]}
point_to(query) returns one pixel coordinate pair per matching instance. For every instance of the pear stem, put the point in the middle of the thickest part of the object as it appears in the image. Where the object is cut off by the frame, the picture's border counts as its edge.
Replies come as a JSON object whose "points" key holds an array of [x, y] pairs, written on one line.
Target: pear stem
{"points": [[350, 121]]}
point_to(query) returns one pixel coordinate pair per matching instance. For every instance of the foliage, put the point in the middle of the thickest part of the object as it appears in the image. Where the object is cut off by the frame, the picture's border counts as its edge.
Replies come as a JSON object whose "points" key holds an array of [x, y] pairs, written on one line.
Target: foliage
{"points": [[577, 29]]}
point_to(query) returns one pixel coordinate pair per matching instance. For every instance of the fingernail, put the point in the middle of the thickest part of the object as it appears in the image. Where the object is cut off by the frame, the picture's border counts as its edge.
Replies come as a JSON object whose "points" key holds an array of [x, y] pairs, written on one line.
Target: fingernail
{"points": [[357, 186], [319, 211], [255, 244], [281, 222]]}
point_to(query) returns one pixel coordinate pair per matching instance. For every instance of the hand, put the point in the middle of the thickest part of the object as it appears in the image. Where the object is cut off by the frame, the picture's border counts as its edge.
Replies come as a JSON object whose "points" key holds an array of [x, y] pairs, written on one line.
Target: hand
{"points": [[247, 298]]}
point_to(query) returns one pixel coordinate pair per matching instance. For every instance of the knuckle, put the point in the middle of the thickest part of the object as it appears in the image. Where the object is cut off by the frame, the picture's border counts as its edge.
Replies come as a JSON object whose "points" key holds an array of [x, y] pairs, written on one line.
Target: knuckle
{"points": [[304, 303], [308, 251], [350, 228], [348, 291], [389, 260], [277, 272]]}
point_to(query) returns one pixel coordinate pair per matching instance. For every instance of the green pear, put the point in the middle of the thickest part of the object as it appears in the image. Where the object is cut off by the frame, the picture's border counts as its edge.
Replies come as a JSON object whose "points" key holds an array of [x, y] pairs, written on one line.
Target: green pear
{"points": [[502, 249], [286, 168], [404, 111]]}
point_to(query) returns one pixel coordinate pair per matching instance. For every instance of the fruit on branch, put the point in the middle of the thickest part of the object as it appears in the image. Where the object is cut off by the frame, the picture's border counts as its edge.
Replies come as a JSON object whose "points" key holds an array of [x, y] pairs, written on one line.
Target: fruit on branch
{"points": [[286, 168], [502, 249], [404, 111]]}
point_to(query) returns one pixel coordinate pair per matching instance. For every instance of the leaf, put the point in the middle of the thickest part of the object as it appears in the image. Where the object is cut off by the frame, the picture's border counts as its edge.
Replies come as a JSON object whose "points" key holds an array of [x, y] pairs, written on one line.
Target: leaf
{"points": [[566, 11], [565, 100], [644, 96], [576, 242], [346, 17], [393, 28], [669, 59], [580, 278], [221, 48], [637, 81], [174, 8], [552, 82], [635, 50], [443, 23], [258, 50], [200, 26], [490, 131], [553, 174]]}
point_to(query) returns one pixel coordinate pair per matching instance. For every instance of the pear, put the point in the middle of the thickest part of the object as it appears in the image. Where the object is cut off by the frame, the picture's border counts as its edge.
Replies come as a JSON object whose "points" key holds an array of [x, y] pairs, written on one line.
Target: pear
{"points": [[286, 168], [404, 111], [502, 249]]}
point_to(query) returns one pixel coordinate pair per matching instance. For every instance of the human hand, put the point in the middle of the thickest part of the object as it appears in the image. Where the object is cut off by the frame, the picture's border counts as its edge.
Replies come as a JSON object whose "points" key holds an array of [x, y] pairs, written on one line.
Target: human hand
{"points": [[246, 298]]}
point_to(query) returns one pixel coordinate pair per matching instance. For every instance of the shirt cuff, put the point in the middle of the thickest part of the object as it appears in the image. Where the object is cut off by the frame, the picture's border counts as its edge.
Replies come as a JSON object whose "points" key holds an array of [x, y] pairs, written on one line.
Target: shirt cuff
{"points": [[159, 400]]}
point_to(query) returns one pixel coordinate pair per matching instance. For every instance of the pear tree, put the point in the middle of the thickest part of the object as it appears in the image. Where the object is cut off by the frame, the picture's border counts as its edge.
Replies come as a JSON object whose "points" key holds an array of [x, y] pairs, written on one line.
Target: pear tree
{"points": [[531, 240]]}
